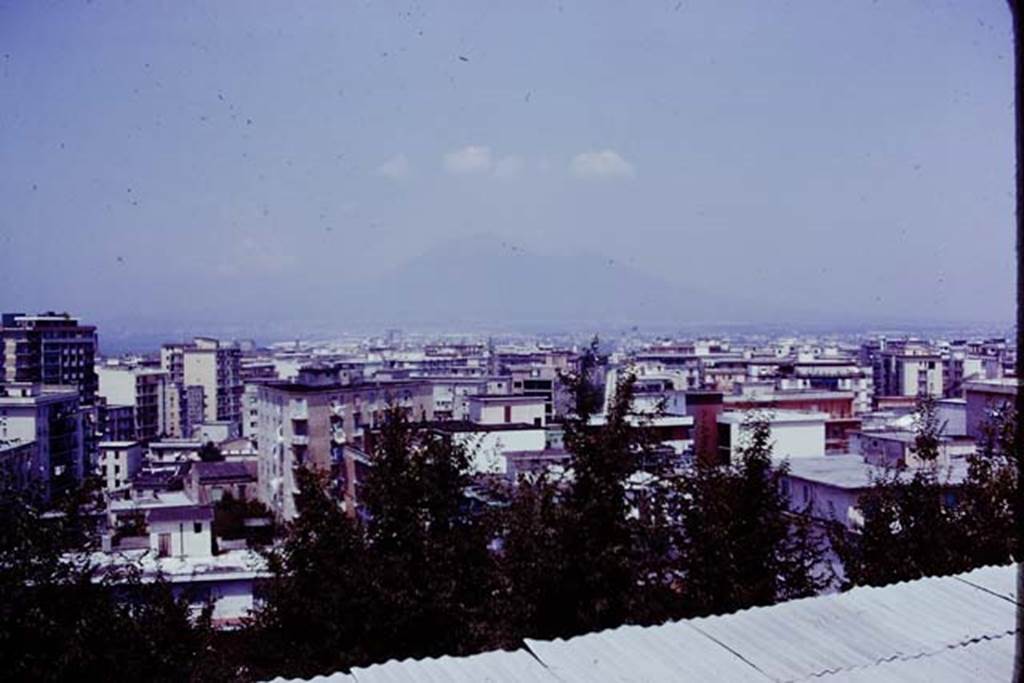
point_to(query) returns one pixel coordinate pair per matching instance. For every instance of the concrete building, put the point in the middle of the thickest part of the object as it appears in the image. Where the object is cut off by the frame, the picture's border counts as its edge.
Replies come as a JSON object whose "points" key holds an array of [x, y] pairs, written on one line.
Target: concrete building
{"points": [[830, 375], [898, 448], [829, 488], [794, 434], [838, 405], [213, 365], [145, 389], [985, 398], [952, 414], [119, 462], [495, 410], [306, 423], [959, 366], [20, 465], [451, 395], [488, 444], [173, 451], [50, 417], [215, 432], [227, 581], [908, 368], [172, 524], [705, 407], [209, 482], [115, 423], [185, 409], [52, 349]]}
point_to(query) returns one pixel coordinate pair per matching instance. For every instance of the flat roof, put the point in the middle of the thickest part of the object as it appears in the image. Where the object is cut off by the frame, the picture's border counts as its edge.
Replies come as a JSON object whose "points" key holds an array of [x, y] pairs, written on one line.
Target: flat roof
{"points": [[788, 396], [850, 471], [776, 416], [180, 514], [467, 426], [506, 398]]}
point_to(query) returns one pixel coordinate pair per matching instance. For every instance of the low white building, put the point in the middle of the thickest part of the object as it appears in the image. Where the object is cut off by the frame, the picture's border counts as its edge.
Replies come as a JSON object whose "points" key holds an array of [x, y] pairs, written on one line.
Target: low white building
{"points": [[171, 522], [952, 414], [794, 434], [829, 488], [227, 580], [898, 448], [673, 431], [487, 445], [507, 409]]}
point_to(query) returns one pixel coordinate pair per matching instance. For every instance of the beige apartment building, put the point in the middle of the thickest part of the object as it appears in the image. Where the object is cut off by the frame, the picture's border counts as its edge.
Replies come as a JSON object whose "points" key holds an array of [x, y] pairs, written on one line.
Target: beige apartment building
{"points": [[309, 421]]}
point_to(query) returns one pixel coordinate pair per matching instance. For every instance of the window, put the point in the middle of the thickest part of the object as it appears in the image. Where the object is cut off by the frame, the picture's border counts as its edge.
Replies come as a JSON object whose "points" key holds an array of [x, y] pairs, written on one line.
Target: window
{"points": [[197, 527]]}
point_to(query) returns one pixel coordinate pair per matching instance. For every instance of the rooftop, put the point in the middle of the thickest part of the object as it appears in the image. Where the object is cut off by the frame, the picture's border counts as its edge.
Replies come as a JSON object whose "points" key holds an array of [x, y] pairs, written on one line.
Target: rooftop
{"points": [[227, 565], [952, 628], [849, 471], [506, 398], [209, 472], [467, 426], [775, 416]]}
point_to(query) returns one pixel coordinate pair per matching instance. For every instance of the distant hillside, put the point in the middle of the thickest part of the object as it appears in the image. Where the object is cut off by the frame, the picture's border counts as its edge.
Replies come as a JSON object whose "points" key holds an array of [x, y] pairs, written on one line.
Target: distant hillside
{"points": [[484, 279]]}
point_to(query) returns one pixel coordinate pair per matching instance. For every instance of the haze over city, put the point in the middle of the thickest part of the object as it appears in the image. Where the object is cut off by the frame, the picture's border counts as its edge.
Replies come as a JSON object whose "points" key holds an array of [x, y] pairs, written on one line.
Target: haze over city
{"points": [[167, 166]]}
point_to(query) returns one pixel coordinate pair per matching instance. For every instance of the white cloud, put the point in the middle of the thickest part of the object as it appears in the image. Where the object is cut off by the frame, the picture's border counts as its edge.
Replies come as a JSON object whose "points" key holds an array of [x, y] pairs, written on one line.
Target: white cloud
{"points": [[396, 168], [471, 159], [509, 167], [606, 163]]}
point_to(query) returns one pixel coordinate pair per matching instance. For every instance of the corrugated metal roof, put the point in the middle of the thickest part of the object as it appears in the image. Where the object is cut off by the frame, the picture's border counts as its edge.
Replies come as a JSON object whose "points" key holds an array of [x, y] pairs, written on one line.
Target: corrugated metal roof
{"points": [[936, 629], [984, 660], [670, 652], [518, 666], [999, 580], [804, 638], [330, 678]]}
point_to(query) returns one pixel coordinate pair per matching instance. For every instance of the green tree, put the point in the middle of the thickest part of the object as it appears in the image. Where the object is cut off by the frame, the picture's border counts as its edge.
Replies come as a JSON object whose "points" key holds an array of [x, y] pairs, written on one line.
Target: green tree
{"points": [[64, 617], [434, 575], [989, 496], [576, 556], [210, 453], [911, 521], [739, 545], [312, 616]]}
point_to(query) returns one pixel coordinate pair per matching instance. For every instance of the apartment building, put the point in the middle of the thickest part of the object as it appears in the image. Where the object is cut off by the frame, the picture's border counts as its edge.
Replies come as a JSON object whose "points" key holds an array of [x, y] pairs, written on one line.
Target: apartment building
{"points": [[308, 421], [145, 389], [50, 348], [907, 368], [119, 462], [213, 365], [50, 418], [793, 434]]}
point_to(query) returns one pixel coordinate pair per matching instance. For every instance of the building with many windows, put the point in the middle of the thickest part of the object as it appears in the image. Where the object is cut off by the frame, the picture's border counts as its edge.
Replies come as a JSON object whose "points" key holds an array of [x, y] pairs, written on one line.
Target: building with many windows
{"points": [[50, 418], [145, 389], [215, 367], [51, 348]]}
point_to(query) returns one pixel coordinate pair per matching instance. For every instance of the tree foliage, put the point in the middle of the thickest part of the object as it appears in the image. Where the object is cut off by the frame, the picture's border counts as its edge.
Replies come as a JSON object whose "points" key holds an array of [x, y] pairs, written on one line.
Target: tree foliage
{"points": [[63, 617], [739, 545], [411, 577], [920, 522]]}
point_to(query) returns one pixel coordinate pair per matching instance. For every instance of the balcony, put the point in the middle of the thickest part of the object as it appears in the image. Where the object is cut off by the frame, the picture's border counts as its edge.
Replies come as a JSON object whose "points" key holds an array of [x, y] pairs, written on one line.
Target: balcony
{"points": [[298, 410]]}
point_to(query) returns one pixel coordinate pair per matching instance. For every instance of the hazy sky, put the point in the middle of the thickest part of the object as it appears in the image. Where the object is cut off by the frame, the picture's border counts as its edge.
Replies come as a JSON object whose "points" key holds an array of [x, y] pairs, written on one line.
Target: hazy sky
{"points": [[175, 160]]}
